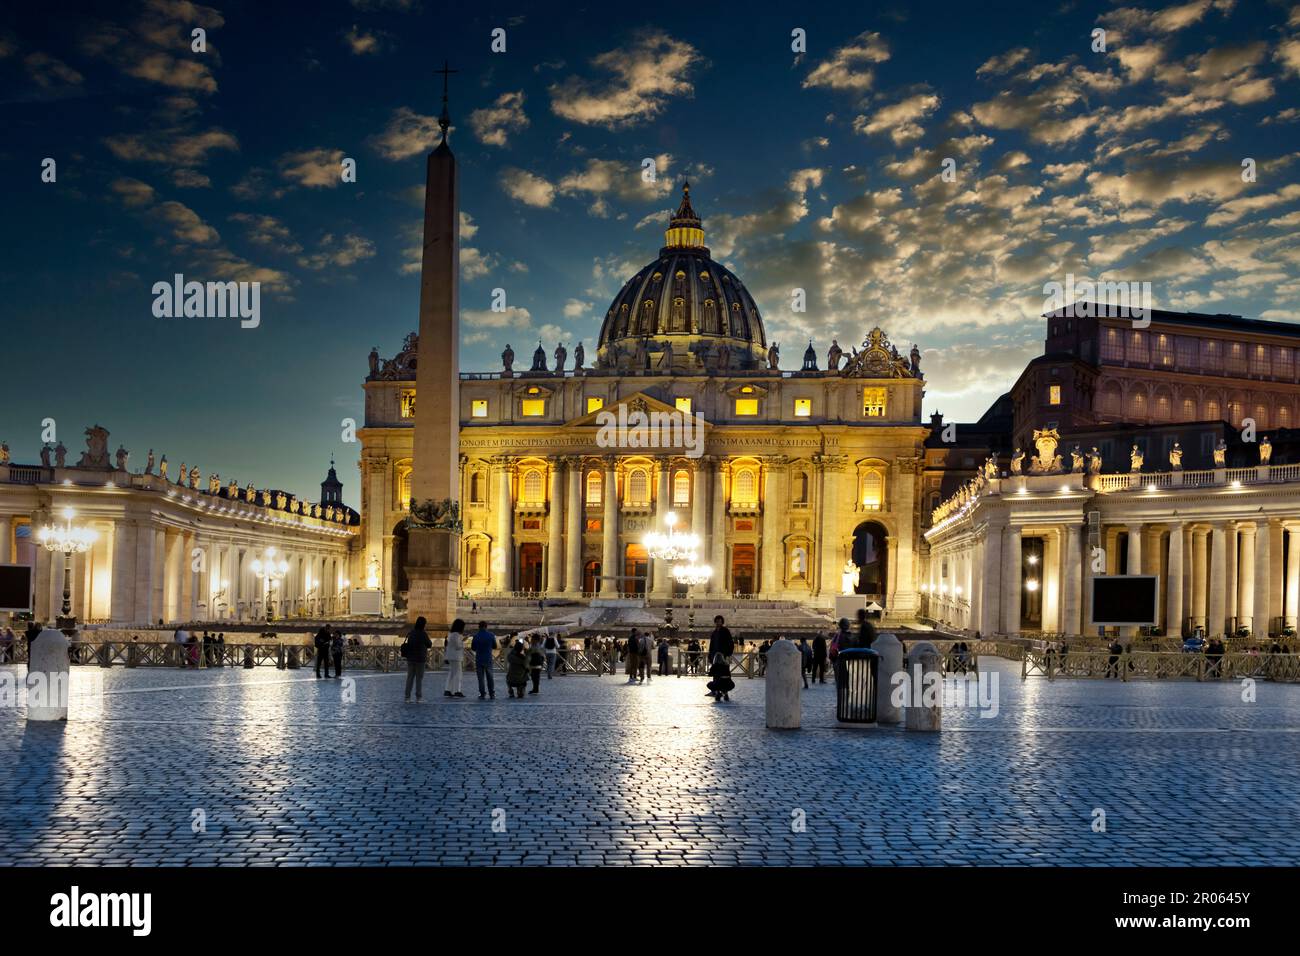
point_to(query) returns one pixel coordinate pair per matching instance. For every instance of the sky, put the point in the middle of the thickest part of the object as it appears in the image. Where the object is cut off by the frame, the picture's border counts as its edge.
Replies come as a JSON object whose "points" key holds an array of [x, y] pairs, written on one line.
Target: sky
{"points": [[818, 169]]}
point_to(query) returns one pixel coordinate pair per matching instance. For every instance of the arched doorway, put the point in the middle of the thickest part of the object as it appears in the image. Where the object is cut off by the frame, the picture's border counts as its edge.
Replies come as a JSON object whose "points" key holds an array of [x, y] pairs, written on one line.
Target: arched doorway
{"points": [[635, 569], [530, 566], [870, 554], [742, 569], [400, 583], [591, 577]]}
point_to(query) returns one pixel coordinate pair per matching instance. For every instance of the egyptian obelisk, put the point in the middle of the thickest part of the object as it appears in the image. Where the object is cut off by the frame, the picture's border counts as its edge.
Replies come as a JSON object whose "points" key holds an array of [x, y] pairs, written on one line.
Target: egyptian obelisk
{"points": [[433, 545]]}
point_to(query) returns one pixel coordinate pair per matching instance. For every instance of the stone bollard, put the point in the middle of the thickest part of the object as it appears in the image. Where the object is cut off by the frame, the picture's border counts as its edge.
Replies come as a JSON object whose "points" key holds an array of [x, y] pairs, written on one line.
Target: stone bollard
{"points": [[783, 685], [248, 657], [48, 676], [890, 650], [922, 660]]}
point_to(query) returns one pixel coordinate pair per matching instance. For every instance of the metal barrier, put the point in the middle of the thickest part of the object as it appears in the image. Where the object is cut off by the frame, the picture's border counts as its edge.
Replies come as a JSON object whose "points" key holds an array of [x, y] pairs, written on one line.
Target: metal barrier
{"points": [[856, 673], [1160, 665]]}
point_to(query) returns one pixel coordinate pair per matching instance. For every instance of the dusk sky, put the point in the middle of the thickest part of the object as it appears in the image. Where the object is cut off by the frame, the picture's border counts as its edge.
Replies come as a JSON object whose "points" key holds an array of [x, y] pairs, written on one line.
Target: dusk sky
{"points": [[818, 171]]}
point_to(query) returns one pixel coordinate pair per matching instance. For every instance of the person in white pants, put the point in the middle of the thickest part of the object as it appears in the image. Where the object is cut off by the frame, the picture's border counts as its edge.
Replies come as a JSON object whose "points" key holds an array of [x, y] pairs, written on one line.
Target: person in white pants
{"points": [[455, 658]]}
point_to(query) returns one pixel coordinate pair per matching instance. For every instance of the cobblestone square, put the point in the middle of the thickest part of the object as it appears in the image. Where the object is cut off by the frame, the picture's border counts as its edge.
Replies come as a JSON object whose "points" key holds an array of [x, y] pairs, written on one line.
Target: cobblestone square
{"points": [[238, 768]]}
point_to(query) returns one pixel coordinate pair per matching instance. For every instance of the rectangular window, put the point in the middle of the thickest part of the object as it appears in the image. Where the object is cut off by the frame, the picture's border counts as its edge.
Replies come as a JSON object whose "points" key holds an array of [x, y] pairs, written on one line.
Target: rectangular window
{"points": [[1054, 395], [684, 405], [532, 407], [1259, 360], [593, 525], [803, 408], [408, 403], [1162, 351], [873, 402], [1235, 360], [594, 403], [1188, 350], [1112, 347], [746, 406], [478, 408]]}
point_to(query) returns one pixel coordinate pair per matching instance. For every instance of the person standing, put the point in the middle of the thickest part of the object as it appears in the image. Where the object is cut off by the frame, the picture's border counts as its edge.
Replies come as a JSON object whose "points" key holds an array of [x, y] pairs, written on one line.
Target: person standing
{"points": [[516, 669], [483, 645], [866, 630], [323, 651], [552, 648], [7, 645], [805, 659], [454, 655], [663, 657], [632, 657], [221, 649], [645, 654], [720, 643], [336, 651], [536, 661], [819, 657], [416, 652]]}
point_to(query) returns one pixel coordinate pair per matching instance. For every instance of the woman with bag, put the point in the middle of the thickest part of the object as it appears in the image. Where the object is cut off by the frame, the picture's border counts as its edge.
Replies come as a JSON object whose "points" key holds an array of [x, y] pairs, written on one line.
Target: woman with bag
{"points": [[517, 669], [454, 655], [722, 685], [416, 651]]}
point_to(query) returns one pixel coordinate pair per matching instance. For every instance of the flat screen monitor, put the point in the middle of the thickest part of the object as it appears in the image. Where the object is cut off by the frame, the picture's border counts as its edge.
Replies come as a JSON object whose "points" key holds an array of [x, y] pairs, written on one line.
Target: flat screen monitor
{"points": [[1124, 600], [15, 587]]}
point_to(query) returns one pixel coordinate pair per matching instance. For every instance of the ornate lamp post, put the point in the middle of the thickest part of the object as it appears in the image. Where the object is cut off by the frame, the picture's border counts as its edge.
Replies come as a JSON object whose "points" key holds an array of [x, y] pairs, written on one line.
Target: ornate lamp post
{"points": [[671, 546], [273, 571], [69, 539], [692, 575]]}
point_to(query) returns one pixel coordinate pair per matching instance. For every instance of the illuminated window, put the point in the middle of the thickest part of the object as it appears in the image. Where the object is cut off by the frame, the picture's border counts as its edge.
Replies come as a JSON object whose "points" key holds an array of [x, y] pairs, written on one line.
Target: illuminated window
{"points": [[594, 403], [744, 490], [594, 488], [873, 489], [684, 405], [638, 487], [802, 407], [404, 491], [532, 407], [873, 402], [1054, 395], [593, 524], [408, 403], [746, 406], [478, 408], [682, 487], [533, 487]]}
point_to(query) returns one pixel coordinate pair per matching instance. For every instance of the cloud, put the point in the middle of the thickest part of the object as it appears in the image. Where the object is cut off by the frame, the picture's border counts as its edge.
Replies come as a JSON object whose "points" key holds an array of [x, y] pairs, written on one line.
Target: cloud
{"points": [[318, 168], [338, 252], [494, 124], [643, 76], [364, 42], [132, 192], [149, 49], [602, 177], [49, 73], [180, 150], [1158, 184], [267, 231], [576, 309], [526, 187], [1065, 173], [186, 225], [851, 67], [407, 134], [1287, 55], [900, 120], [1233, 210], [1003, 63], [513, 317]]}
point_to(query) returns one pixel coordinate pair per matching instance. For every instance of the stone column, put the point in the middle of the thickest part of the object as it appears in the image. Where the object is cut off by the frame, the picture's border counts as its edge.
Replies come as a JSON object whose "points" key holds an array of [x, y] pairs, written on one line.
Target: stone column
{"points": [[989, 621], [610, 567], [1216, 615], [187, 577], [122, 603], [1246, 580], [832, 561], [1263, 563], [6, 539], [718, 533], [1230, 567], [41, 584], [1134, 564], [555, 532], [1292, 575], [700, 507], [573, 530], [1276, 583], [1174, 584], [1011, 583], [774, 497], [1073, 585], [146, 560], [1200, 575], [503, 546], [903, 598], [661, 571]]}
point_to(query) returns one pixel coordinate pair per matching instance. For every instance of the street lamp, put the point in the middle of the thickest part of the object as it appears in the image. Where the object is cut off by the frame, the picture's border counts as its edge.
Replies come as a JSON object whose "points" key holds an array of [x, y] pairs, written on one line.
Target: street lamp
{"points": [[70, 540], [273, 571], [670, 547], [691, 575]]}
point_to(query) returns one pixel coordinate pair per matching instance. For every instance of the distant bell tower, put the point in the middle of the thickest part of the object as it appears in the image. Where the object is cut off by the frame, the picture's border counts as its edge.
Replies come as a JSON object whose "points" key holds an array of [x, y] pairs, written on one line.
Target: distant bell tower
{"points": [[331, 489]]}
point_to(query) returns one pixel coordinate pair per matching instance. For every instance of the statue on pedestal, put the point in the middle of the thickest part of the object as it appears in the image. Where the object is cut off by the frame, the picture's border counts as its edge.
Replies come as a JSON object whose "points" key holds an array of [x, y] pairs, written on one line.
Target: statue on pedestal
{"points": [[1221, 454], [1076, 461], [60, 455], [162, 468], [1265, 450], [849, 577], [214, 484], [666, 357], [96, 453], [1176, 457], [916, 361], [579, 356], [539, 358], [184, 475], [1047, 461], [194, 477], [45, 454], [508, 361], [991, 467], [833, 356], [374, 361], [122, 456], [1017, 462], [250, 494], [561, 356], [774, 357], [148, 463], [1094, 461], [232, 490], [1135, 459]]}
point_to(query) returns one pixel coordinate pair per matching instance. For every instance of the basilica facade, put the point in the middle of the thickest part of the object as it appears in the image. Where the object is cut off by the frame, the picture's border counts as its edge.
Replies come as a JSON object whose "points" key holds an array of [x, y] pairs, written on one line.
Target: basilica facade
{"points": [[789, 478]]}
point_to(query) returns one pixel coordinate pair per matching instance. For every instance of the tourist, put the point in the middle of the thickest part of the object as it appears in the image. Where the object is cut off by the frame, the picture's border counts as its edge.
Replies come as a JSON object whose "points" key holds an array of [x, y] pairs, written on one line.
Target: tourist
{"points": [[693, 656], [806, 659], [221, 650], [536, 661], [336, 650], [1213, 657], [7, 639], [720, 644], [1112, 664], [632, 656], [552, 647], [516, 669], [207, 649], [819, 652], [416, 651], [762, 657], [454, 654], [32, 632], [866, 630], [192, 649], [645, 653], [323, 650], [483, 645], [563, 655], [722, 685], [663, 657]]}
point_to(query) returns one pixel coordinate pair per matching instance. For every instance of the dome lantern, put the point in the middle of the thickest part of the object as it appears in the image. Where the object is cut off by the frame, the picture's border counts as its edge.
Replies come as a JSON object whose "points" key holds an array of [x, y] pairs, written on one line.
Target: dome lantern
{"points": [[684, 229]]}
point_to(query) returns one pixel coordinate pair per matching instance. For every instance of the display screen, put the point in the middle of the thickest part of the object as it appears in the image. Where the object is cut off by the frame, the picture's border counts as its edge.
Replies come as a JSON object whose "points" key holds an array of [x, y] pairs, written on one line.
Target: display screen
{"points": [[15, 587], [1124, 599]]}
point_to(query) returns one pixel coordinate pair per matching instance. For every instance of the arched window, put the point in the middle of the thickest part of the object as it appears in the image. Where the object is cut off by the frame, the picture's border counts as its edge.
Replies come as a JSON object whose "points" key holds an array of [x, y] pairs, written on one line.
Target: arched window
{"points": [[682, 487], [798, 563], [743, 490], [1283, 417], [638, 487], [1189, 410], [533, 486], [475, 561], [476, 487], [1164, 407], [873, 489], [1261, 416], [404, 491], [801, 488], [594, 488], [1137, 404], [1212, 410]]}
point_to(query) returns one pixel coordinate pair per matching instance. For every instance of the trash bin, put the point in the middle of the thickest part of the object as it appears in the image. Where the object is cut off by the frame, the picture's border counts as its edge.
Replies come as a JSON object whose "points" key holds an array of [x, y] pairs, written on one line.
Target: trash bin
{"points": [[856, 672]]}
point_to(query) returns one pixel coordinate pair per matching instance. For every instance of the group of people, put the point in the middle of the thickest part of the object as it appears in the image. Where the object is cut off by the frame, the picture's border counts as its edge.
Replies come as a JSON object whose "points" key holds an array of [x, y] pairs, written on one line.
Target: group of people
{"points": [[330, 643], [526, 659], [210, 649]]}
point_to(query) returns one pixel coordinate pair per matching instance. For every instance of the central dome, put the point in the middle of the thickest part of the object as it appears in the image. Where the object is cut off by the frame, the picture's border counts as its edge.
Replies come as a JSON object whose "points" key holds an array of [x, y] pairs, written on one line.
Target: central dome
{"points": [[683, 305]]}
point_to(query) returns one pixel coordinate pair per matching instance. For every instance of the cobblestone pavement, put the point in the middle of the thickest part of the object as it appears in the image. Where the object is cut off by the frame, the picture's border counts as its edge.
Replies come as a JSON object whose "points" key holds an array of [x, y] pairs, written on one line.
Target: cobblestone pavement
{"points": [[284, 771]]}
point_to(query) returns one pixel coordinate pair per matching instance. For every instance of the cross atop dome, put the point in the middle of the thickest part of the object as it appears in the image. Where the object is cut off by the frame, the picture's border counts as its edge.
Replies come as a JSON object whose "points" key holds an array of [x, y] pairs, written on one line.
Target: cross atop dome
{"points": [[684, 230]]}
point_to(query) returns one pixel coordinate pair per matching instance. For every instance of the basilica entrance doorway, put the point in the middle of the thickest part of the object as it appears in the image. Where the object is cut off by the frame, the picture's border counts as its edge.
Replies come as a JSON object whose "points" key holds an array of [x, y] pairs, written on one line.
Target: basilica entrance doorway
{"points": [[591, 577], [635, 570], [870, 554], [742, 569], [530, 567]]}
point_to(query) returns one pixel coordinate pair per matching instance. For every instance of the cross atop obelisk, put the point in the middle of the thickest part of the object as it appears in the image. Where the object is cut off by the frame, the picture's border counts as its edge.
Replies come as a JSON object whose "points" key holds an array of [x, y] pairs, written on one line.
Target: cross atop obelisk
{"points": [[444, 120]]}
